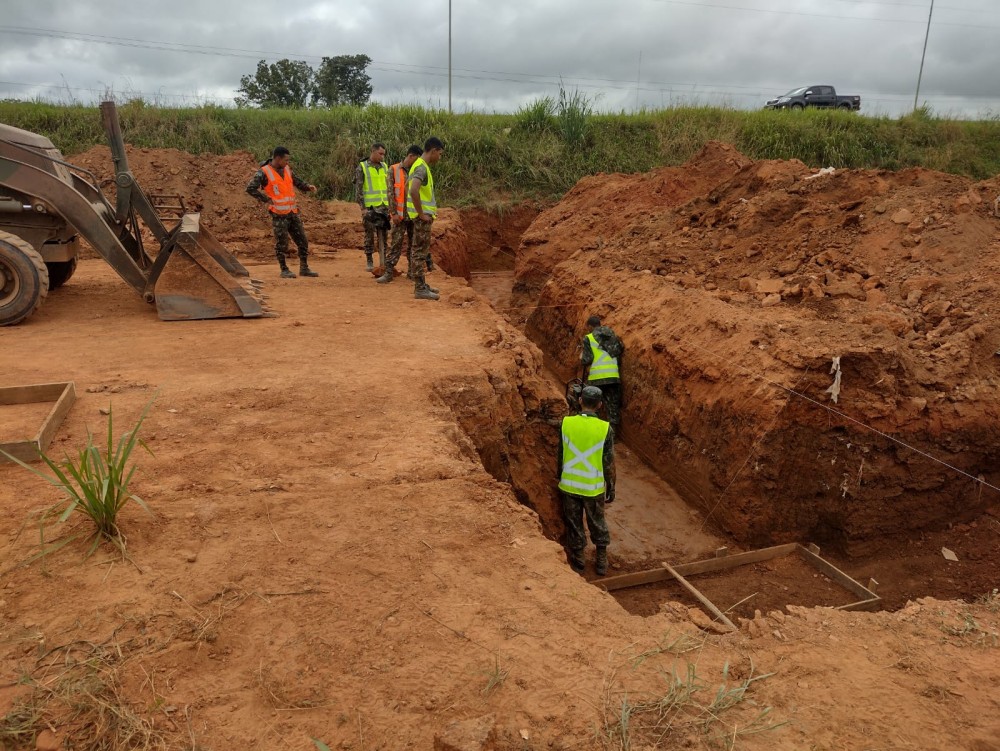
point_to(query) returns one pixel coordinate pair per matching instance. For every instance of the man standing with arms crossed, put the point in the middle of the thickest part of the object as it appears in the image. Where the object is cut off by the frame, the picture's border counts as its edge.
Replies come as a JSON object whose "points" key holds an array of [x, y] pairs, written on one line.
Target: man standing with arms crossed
{"points": [[372, 191], [402, 225], [275, 185], [586, 474], [421, 207]]}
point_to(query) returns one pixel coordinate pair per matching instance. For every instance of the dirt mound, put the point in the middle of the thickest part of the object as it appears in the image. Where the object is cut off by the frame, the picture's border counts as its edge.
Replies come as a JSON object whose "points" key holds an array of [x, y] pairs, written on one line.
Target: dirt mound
{"points": [[602, 207], [875, 287]]}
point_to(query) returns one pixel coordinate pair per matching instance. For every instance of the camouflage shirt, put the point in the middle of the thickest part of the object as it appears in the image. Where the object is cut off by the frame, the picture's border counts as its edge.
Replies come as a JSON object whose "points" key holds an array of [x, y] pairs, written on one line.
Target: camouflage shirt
{"points": [[608, 460], [259, 181], [609, 342], [359, 184]]}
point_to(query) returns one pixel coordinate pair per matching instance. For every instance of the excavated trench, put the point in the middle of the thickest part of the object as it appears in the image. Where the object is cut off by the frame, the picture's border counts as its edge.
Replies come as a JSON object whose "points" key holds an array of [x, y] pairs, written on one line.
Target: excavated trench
{"points": [[654, 520]]}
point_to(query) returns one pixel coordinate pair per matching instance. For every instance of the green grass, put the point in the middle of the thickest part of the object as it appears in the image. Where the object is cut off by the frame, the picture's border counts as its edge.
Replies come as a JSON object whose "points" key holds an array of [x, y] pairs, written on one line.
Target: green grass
{"points": [[540, 151], [95, 483]]}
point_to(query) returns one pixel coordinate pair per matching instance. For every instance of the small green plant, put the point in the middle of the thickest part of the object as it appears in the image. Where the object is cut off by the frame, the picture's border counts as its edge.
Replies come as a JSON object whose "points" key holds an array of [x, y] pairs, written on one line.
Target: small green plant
{"points": [[971, 631], [495, 676], [320, 746], [990, 601], [670, 644], [678, 707], [95, 483]]}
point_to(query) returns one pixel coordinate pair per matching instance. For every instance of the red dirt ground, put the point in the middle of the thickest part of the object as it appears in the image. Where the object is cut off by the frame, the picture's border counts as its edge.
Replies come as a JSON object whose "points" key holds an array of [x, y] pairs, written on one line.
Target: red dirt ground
{"points": [[328, 557]]}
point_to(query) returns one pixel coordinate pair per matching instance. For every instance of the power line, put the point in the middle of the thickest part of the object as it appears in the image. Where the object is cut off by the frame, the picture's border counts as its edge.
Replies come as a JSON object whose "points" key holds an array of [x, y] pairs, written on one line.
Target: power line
{"points": [[691, 3]]}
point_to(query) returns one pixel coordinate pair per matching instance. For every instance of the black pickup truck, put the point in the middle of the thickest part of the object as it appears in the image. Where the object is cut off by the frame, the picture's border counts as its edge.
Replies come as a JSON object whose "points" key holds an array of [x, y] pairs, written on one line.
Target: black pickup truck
{"points": [[813, 96]]}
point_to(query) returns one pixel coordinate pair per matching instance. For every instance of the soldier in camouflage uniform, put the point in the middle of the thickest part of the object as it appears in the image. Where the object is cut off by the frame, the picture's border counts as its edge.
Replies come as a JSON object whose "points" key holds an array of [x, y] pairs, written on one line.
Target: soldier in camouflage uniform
{"points": [[601, 358], [586, 473], [402, 225], [371, 191], [421, 207], [274, 184]]}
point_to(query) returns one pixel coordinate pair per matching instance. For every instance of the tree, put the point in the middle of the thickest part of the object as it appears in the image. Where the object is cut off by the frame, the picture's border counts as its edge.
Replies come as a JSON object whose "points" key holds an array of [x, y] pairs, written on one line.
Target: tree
{"points": [[342, 80], [286, 83]]}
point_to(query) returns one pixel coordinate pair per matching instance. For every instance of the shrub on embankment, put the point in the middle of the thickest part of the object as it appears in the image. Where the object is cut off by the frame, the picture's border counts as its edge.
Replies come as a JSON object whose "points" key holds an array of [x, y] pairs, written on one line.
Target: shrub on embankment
{"points": [[493, 158]]}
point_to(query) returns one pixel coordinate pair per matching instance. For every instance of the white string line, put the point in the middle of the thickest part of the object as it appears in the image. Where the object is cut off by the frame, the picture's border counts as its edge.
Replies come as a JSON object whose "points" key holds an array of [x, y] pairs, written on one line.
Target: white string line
{"points": [[847, 417]]}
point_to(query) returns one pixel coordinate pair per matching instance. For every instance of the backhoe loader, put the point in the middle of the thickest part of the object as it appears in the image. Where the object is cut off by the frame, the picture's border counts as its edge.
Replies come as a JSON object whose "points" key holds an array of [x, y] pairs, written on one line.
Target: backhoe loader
{"points": [[47, 205]]}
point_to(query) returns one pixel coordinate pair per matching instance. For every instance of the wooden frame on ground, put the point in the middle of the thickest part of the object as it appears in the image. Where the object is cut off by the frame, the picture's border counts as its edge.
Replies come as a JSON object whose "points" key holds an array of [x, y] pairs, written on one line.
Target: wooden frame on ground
{"points": [[63, 394], [867, 599]]}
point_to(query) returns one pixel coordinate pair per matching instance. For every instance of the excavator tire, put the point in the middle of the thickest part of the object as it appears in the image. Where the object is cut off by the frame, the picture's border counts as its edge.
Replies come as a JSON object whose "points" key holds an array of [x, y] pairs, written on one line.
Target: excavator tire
{"points": [[60, 272], [24, 279]]}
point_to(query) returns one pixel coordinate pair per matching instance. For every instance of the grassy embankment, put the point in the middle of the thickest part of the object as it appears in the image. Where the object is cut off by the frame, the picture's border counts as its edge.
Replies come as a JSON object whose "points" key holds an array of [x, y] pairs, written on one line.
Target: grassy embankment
{"points": [[536, 153]]}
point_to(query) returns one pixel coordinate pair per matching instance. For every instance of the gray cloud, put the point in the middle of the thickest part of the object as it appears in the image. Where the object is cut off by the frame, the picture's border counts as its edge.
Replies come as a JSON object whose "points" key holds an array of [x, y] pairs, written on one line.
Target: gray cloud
{"points": [[728, 52]]}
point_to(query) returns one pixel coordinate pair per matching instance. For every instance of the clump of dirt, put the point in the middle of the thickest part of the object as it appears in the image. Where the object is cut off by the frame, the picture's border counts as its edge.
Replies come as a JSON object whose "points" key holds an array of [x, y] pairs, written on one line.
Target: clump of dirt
{"points": [[799, 345], [602, 207]]}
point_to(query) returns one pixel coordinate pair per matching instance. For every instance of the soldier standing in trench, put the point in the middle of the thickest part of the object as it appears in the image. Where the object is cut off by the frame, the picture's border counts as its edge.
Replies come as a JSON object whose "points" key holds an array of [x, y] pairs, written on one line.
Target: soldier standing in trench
{"points": [[372, 191], [586, 474], [600, 355], [274, 184]]}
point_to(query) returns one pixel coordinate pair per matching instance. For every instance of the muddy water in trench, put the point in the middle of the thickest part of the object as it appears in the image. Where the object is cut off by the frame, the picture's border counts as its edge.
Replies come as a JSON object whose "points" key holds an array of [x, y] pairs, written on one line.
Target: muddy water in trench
{"points": [[649, 521]]}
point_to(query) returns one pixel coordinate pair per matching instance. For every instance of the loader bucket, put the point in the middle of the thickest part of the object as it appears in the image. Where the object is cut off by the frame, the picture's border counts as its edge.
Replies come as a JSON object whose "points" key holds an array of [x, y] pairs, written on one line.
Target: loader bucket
{"points": [[201, 279]]}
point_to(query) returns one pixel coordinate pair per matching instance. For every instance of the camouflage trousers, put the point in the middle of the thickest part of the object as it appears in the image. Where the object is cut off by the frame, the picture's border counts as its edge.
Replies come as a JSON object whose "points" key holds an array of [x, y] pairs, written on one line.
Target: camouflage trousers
{"points": [[400, 231], [575, 508], [420, 251], [374, 230], [286, 225], [611, 395]]}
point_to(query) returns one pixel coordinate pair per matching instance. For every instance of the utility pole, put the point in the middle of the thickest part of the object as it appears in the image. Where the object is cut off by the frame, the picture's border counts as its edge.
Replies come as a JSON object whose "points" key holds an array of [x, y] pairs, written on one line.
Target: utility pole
{"points": [[921, 74], [449, 56], [638, 74]]}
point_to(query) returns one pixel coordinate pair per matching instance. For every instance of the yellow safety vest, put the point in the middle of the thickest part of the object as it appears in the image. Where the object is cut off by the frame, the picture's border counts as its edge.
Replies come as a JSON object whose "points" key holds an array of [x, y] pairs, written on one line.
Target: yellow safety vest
{"points": [[583, 438], [376, 186], [428, 201], [604, 365]]}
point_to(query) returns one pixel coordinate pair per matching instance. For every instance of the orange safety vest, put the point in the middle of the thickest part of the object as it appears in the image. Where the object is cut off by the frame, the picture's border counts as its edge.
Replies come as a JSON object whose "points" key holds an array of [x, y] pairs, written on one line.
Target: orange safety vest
{"points": [[399, 188], [281, 190]]}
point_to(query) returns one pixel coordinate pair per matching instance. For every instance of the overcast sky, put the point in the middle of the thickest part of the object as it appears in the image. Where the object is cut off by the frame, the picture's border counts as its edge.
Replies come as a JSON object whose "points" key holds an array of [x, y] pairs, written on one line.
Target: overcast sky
{"points": [[732, 52]]}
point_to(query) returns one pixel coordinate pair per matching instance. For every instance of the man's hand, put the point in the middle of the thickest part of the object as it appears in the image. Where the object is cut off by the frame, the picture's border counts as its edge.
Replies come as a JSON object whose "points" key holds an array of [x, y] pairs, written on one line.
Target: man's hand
{"points": [[609, 498], [311, 188], [396, 218], [425, 217]]}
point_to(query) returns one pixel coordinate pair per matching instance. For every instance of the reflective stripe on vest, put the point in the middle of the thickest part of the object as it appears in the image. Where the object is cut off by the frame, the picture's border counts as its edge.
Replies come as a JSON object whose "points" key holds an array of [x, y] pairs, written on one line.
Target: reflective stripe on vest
{"points": [[399, 187], [583, 438], [281, 190], [428, 201], [604, 365], [376, 187]]}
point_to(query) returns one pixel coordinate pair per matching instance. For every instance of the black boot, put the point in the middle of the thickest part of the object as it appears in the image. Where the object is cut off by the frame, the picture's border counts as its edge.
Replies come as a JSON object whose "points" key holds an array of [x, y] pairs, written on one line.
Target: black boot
{"points": [[304, 269], [388, 276], [601, 561], [368, 262], [286, 273], [576, 561]]}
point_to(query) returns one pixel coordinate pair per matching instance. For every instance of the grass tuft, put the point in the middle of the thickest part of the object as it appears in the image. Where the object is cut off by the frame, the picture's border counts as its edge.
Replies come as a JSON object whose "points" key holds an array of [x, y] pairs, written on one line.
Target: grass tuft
{"points": [[96, 485]]}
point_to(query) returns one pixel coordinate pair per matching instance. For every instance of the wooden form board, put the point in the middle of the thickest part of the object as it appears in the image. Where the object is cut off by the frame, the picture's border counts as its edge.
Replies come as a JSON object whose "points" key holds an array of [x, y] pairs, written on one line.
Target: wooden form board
{"points": [[63, 395], [867, 599]]}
